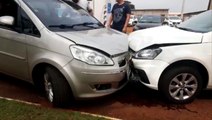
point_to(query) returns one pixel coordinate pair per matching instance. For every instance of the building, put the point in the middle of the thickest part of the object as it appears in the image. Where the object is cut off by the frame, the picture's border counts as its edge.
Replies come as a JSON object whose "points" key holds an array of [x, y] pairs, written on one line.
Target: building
{"points": [[210, 5], [174, 14], [140, 12], [99, 8], [190, 14]]}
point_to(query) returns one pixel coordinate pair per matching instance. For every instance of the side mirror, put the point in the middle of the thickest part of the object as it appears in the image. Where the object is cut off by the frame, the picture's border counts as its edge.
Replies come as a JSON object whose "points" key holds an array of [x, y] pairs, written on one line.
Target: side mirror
{"points": [[7, 20]]}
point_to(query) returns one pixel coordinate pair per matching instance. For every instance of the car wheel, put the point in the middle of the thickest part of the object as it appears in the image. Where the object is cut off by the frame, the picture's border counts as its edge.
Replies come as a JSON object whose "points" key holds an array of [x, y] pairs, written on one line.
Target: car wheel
{"points": [[181, 84], [57, 88]]}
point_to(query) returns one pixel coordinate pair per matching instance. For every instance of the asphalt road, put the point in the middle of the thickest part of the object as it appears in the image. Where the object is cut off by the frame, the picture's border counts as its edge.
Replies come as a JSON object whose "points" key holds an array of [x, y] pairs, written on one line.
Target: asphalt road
{"points": [[134, 102]]}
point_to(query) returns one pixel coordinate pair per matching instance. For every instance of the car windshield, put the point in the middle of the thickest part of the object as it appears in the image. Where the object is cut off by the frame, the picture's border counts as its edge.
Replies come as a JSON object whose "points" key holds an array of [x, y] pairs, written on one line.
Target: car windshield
{"points": [[150, 19], [200, 23], [61, 15], [174, 18]]}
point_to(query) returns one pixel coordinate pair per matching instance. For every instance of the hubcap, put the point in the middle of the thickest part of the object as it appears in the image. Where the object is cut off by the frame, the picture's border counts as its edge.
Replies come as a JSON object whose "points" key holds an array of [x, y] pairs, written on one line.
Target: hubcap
{"points": [[48, 87], [183, 86]]}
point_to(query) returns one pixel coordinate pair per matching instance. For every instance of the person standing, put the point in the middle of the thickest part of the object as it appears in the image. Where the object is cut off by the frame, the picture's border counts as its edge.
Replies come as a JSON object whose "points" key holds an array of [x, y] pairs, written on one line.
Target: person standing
{"points": [[120, 16], [84, 4]]}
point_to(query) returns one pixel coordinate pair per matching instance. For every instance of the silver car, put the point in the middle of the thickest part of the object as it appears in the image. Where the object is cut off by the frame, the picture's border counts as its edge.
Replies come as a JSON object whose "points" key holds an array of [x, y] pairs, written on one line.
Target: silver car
{"points": [[59, 47]]}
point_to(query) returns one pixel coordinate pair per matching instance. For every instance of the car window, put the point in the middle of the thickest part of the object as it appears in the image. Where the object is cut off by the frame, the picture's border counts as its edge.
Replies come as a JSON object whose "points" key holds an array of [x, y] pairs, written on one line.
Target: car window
{"points": [[22, 22], [59, 15], [10, 8], [28, 26], [199, 23], [174, 18]]}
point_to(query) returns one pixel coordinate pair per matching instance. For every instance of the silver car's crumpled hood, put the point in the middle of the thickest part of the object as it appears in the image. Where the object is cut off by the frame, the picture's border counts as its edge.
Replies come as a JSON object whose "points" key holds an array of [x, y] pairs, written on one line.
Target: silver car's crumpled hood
{"points": [[107, 40], [162, 35]]}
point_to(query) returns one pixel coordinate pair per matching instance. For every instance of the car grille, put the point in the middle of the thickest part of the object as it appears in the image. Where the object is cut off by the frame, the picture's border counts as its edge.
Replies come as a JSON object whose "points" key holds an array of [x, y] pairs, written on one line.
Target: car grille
{"points": [[176, 23]]}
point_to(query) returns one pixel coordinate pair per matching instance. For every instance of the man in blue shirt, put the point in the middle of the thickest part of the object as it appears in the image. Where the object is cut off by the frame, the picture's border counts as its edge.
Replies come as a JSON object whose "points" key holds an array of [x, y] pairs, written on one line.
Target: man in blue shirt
{"points": [[120, 16]]}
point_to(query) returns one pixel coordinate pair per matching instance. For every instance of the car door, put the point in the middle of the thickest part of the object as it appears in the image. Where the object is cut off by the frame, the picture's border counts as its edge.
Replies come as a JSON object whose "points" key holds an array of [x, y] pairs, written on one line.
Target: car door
{"points": [[210, 69], [210, 72], [13, 50]]}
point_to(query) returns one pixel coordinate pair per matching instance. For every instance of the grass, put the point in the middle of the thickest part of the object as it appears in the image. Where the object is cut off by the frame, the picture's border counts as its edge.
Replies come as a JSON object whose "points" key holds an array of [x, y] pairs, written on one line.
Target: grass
{"points": [[10, 110]]}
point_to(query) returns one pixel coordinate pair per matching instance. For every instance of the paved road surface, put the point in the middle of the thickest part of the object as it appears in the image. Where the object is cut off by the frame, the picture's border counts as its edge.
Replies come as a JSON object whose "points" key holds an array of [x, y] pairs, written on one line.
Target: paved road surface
{"points": [[134, 102]]}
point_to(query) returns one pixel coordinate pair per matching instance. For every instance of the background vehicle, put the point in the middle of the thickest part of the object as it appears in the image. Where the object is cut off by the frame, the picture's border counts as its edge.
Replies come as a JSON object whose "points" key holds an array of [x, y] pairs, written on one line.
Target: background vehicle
{"points": [[175, 61], [60, 48], [133, 20], [172, 21], [148, 21]]}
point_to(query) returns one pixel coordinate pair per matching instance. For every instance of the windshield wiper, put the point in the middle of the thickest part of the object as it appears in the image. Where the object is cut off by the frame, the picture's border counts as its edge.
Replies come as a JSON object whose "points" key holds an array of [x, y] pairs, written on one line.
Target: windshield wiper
{"points": [[61, 26], [86, 24]]}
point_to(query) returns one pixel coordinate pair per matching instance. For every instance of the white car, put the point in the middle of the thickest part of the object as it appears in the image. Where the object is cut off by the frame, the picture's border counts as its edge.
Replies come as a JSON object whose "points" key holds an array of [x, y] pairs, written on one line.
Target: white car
{"points": [[175, 61], [133, 20], [172, 21]]}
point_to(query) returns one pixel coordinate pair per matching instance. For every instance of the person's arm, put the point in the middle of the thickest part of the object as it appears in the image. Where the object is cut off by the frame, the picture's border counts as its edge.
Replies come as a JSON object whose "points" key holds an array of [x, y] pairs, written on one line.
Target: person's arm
{"points": [[128, 13], [90, 11], [126, 23], [110, 21], [110, 18]]}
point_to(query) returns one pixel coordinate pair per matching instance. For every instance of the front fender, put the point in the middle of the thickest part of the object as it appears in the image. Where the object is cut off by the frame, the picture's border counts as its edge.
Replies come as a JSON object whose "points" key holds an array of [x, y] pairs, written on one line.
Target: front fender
{"points": [[40, 56]]}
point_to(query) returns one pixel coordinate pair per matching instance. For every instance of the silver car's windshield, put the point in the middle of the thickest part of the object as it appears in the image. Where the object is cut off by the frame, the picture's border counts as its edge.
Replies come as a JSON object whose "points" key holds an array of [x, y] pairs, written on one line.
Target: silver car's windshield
{"points": [[62, 15], [200, 23]]}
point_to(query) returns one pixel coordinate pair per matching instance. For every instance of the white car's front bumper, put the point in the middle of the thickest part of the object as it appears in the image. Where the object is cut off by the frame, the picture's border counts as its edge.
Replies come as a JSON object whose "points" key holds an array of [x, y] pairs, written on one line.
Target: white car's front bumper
{"points": [[149, 71]]}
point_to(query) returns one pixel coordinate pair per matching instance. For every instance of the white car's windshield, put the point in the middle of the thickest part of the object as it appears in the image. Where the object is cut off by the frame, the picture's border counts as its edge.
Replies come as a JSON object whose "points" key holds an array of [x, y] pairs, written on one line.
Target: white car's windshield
{"points": [[61, 15], [174, 18], [200, 23]]}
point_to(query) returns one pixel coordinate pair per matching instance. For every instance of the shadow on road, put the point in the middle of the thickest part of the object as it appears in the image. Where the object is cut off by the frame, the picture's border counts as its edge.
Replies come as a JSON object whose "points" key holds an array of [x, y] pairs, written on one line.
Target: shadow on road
{"points": [[138, 95]]}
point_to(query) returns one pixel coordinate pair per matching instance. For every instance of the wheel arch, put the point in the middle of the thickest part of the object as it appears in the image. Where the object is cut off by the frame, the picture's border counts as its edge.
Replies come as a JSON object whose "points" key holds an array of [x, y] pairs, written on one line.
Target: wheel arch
{"points": [[201, 68], [37, 77]]}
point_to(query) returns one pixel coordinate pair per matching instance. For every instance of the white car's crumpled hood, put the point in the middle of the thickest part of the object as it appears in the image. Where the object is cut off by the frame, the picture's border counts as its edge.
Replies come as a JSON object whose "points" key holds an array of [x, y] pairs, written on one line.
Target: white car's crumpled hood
{"points": [[161, 35]]}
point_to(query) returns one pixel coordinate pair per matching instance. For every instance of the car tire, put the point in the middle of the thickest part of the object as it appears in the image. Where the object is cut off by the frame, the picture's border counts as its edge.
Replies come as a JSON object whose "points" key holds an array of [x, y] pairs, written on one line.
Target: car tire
{"points": [[57, 89], [180, 85]]}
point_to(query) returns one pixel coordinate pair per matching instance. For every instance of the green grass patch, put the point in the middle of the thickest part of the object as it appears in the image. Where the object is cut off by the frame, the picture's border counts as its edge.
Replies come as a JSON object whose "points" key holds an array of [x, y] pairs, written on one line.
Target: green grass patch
{"points": [[10, 110]]}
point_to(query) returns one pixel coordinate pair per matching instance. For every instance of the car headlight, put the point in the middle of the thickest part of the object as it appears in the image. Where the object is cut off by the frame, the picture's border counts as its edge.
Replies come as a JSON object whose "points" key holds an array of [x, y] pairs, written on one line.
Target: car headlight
{"points": [[90, 56], [147, 53]]}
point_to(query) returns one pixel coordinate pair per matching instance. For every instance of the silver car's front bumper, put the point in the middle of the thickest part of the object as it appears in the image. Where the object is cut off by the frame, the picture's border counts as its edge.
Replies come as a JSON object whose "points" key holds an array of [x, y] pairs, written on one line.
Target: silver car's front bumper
{"points": [[88, 81]]}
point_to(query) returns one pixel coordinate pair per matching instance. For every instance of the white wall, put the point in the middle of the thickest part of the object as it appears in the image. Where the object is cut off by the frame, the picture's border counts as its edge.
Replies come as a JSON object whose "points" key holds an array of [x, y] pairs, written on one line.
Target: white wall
{"points": [[99, 8]]}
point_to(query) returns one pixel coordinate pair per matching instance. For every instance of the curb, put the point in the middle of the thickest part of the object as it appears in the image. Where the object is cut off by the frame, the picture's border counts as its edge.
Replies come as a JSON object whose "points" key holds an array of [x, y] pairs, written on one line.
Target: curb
{"points": [[100, 116], [20, 101], [35, 104]]}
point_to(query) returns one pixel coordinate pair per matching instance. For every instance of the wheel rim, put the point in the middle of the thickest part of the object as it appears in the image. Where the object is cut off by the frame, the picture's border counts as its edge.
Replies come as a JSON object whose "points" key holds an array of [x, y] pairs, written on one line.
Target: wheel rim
{"points": [[48, 87], [183, 86]]}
